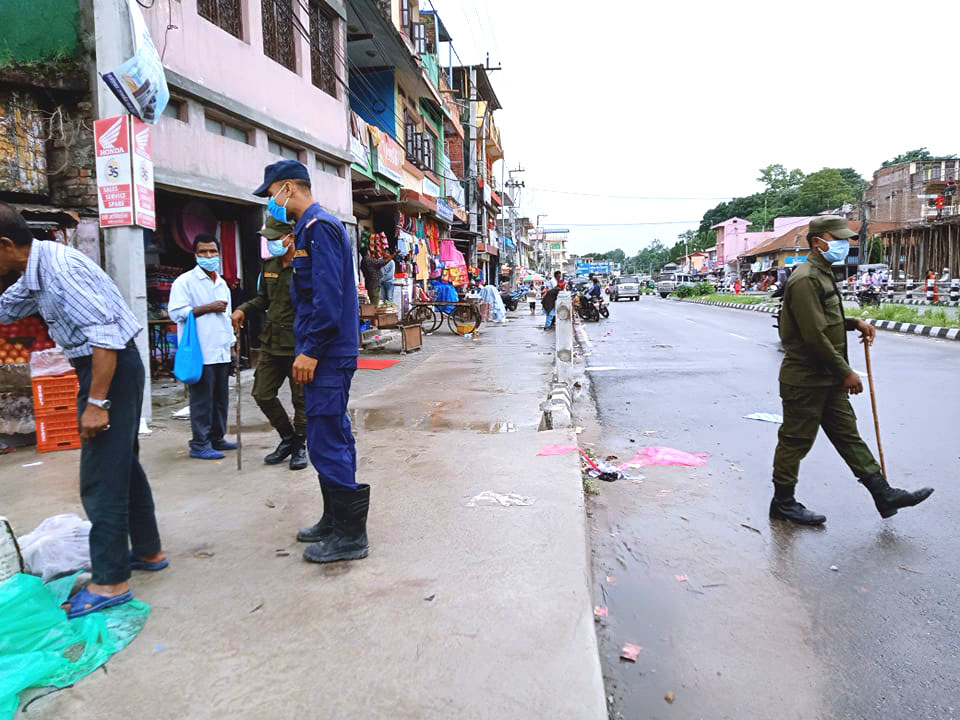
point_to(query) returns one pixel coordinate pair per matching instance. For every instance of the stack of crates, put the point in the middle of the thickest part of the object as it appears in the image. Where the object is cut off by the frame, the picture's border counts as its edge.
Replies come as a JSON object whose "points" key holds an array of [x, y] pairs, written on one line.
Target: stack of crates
{"points": [[55, 412]]}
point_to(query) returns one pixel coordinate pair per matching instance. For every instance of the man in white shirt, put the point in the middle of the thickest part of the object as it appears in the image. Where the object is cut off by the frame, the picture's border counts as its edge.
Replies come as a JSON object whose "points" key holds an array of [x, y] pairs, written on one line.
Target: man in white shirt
{"points": [[203, 291]]}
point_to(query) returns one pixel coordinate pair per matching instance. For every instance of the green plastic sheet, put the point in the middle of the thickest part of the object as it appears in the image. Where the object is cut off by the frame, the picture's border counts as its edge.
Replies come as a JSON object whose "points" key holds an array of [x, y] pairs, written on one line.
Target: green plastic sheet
{"points": [[40, 647]]}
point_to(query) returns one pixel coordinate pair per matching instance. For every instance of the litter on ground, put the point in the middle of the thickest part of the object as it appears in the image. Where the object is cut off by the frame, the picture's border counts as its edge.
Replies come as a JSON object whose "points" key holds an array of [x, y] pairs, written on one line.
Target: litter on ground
{"points": [[600, 611], [659, 455], [765, 417], [630, 651], [490, 498]]}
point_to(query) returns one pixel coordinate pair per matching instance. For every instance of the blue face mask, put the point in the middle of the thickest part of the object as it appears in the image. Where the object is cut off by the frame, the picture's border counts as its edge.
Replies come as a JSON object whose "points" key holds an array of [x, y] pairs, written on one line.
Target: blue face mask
{"points": [[838, 250], [210, 264], [278, 212], [276, 248]]}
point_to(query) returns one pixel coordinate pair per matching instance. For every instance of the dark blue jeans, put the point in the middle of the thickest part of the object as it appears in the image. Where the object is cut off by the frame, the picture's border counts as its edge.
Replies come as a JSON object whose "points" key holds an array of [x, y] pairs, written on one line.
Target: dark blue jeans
{"points": [[113, 486], [330, 440], [209, 402]]}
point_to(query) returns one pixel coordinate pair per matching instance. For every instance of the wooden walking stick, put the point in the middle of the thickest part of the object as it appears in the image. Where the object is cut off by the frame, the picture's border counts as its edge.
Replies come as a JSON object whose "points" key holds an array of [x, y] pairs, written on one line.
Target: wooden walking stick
{"points": [[239, 404], [873, 403]]}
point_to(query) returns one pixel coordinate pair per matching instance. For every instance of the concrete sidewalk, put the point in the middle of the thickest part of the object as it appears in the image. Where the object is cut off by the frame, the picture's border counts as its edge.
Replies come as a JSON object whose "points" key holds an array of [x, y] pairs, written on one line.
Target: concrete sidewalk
{"points": [[459, 612]]}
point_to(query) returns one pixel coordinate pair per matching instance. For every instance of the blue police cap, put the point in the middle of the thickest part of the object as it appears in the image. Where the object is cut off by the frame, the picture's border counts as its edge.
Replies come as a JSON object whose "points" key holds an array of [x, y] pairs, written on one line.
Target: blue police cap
{"points": [[281, 170]]}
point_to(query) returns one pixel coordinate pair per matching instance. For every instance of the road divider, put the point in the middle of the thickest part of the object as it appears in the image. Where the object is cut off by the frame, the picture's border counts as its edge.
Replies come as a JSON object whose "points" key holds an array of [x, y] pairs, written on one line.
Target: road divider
{"points": [[939, 333]]}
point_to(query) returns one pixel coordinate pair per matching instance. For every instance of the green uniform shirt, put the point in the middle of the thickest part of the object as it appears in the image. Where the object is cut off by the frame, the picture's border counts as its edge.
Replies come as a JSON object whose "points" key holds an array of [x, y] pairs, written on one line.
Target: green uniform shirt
{"points": [[813, 329], [273, 299]]}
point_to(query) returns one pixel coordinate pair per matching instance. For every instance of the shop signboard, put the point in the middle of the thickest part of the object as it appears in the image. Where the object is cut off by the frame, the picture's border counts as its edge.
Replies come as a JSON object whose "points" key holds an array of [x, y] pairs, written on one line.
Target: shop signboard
{"points": [[586, 268], [444, 211], [144, 205], [429, 187], [790, 261], [390, 159], [111, 139]]}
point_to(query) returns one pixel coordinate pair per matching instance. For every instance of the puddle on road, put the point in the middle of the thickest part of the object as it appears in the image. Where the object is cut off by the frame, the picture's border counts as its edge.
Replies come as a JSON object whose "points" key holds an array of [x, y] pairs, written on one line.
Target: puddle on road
{"points": [[385, 419]]}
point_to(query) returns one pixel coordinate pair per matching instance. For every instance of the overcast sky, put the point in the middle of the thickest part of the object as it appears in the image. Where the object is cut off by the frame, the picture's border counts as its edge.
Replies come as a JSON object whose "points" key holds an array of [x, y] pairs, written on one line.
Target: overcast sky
{"points": [[690, 99]]}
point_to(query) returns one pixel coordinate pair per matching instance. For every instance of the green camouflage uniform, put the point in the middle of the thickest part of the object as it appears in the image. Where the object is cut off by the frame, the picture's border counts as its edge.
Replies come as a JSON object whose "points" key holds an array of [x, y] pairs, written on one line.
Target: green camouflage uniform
{"points": [[813, 334], [276, 348]]}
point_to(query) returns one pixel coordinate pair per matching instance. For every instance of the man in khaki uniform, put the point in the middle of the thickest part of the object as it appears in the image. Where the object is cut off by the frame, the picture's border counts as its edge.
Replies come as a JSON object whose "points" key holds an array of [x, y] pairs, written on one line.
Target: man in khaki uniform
{"points": [[816, 379], [277, 346]]}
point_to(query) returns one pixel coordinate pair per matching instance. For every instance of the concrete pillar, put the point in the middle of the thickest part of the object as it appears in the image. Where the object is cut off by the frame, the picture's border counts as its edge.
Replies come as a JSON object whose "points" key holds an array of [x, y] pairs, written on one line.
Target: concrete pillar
{"points": [[909, 288], [954, 290], [564, 322], [123, 247]]}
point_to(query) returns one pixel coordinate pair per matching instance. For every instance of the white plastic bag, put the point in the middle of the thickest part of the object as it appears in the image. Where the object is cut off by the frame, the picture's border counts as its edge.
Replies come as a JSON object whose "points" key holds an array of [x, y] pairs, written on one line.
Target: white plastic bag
{"points": [[44, 363], [59, 545]]}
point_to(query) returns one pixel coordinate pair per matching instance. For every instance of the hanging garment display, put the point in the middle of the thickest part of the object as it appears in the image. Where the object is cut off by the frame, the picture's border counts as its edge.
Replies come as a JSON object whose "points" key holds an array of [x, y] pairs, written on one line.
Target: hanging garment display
{"points": [[454, 265]]}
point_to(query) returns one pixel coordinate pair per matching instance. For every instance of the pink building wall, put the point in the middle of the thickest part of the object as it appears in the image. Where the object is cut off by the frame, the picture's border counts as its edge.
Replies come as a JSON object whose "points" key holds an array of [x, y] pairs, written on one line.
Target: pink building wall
{"points": [[733, 239], [186, 153]]}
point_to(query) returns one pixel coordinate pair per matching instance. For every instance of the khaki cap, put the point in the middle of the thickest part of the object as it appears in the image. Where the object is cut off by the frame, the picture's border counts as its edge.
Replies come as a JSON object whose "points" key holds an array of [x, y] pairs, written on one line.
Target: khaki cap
{"points": [[274, 229], [833, 224]]}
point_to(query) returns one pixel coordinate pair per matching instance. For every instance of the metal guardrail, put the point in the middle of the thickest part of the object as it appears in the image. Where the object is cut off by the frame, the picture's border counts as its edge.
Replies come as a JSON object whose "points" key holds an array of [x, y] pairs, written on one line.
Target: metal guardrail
{"points": [[907, 291]]}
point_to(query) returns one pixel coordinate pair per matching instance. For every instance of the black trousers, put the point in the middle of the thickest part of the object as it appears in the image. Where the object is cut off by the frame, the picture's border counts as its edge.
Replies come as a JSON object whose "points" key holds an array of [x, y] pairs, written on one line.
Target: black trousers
{"points": [[209, 402], [113, 486]]}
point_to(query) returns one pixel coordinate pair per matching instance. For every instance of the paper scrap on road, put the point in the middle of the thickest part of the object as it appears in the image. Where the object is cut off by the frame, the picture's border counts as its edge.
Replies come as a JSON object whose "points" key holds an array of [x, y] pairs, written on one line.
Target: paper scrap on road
{"points": [[681, 578], [33, 464], [182, 413], [490, 498], [630, 651], [548, 450], [600, 611], [659, 455], [765, 417]]}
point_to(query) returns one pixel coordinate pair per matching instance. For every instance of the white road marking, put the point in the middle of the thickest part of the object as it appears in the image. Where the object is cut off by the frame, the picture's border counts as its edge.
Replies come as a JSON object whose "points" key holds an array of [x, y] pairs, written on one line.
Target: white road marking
{"points": [[601, 368], [738, 336]]}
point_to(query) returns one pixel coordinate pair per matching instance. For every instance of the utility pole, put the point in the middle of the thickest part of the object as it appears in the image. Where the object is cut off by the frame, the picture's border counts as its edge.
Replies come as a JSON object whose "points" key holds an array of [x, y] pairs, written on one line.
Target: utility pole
{"points": [[123, 246]]}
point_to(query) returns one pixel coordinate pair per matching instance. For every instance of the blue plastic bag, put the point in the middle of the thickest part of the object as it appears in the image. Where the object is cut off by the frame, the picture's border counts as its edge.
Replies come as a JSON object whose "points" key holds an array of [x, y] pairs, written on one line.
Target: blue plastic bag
{"points": [[188, 363]]}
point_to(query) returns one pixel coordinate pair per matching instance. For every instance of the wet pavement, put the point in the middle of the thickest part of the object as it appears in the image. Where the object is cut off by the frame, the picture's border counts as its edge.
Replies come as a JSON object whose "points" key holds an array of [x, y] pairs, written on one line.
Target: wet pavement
{"points": [[741, 617]]}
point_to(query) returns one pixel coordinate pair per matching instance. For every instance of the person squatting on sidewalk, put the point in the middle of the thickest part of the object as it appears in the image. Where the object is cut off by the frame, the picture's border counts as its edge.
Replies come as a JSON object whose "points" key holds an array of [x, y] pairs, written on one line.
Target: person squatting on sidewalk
{"points": [[205, 293], [326, 331], [816, 379], [277, 346], [89, 319]]}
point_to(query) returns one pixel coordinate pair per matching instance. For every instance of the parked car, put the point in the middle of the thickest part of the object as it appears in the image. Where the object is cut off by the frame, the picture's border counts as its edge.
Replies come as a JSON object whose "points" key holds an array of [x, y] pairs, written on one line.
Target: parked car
{"points": [[670, 281], [626, 287]]}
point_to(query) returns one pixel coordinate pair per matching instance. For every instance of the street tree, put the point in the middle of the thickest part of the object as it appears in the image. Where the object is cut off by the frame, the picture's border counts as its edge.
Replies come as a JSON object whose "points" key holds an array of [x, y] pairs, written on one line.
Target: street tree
{"points": [[823, 190], [776, 178]]}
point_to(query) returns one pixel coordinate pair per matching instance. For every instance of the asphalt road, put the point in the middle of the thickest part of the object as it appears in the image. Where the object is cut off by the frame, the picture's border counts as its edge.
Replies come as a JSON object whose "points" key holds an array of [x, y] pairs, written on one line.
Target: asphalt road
{"points": [[742, 617]]}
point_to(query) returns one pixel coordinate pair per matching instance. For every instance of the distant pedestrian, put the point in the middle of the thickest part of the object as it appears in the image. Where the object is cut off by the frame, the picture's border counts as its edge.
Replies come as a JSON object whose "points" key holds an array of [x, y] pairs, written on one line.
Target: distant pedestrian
{"points": [[89, 319], [277, 345], [549, 304], [816, 379], [372, 270], [532, 296], [203, 292], [387, 273], [557, 279]]}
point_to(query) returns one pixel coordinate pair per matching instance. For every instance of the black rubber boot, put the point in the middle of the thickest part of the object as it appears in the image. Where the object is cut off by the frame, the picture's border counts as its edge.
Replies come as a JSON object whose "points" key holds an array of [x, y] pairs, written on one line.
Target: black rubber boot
{"points": [[349, 538], [298, 460], [784, 506], [888, 500], [286, 447], [323, 527]]}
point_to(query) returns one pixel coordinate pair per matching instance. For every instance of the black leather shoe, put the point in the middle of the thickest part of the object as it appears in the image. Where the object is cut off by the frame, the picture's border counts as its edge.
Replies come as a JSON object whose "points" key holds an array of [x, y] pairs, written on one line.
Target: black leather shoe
{"points": [[284, 450], [790, 509], [888, 500], [298, 460], [348, 541], [323, 527]]}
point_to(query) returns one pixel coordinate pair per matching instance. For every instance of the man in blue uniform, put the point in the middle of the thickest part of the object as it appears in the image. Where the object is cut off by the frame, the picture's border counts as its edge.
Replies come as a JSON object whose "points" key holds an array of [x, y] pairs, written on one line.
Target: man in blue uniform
{"points": [[326, 330]]}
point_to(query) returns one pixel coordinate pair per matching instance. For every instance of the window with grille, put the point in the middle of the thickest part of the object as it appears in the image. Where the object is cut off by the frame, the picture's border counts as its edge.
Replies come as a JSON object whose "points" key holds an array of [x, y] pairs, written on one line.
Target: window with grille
{"points": [[323, 56], [224, 14], [414, 141], [429, 152], [279, 36]]}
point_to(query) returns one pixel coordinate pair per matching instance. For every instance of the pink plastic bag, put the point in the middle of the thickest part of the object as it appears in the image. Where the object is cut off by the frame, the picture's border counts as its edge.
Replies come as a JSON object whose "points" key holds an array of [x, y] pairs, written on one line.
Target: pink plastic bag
{"points": [[660, 455]]}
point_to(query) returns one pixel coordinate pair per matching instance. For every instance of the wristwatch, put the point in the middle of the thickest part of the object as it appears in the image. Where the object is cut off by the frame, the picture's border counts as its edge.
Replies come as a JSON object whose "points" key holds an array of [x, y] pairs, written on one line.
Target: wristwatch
{"points": [[102, 404]]}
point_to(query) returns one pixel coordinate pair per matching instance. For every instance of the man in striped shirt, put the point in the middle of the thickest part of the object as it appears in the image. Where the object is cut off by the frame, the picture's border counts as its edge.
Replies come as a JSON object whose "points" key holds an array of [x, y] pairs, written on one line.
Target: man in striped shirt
{"points": [[88, 318]]}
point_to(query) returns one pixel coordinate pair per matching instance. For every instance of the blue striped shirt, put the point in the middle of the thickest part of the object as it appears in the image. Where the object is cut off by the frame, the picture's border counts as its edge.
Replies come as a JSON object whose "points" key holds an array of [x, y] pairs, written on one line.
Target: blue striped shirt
{"points": [[79, 302]]}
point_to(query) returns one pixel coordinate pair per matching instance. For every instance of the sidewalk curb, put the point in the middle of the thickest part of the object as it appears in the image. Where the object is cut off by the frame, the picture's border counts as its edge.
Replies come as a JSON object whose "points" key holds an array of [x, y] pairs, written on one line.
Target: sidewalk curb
{"points": [[900, 327]]}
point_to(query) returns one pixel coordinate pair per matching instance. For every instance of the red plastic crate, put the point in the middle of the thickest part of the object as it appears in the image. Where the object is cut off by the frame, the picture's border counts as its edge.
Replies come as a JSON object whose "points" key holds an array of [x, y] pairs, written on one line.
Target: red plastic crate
{"points": [[58, 431], [55, 394]]}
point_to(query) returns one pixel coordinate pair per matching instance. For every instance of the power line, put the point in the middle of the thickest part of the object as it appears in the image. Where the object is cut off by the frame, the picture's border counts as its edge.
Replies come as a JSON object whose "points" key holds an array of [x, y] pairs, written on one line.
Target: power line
{"points": [[625, 197]]}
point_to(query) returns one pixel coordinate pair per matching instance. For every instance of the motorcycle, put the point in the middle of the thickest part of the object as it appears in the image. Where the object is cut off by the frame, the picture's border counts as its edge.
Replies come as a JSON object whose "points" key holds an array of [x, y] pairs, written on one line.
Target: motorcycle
{"points": [[512, 300], [591, 309], [869, 296]]}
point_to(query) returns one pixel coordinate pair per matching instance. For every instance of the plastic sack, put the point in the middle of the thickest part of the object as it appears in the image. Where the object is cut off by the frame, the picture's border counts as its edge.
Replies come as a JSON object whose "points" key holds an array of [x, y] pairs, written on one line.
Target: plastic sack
{"points": [[44, 363], [659, 455], [188, 363], [59, 545], [140, 83], [40, 647]]}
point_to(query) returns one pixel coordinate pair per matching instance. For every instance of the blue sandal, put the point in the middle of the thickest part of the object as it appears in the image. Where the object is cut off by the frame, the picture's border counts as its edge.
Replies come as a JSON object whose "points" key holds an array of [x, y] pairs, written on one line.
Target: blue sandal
{"points": [[85, 602], [138, 564]]}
